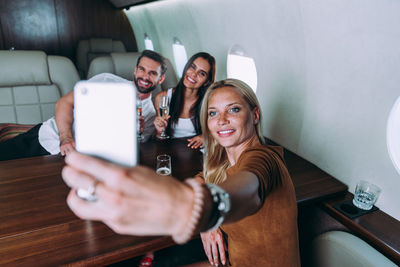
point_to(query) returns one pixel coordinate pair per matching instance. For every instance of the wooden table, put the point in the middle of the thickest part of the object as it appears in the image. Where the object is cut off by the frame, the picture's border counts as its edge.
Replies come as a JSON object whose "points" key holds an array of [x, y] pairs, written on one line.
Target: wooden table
{"points": [[311, 183], [38, 229]]}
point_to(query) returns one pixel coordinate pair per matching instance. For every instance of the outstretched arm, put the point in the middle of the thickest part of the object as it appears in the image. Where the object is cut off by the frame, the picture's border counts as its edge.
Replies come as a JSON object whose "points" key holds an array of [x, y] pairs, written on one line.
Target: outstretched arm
{"points": [[162, 206], [153, 199], [64, 118], [243, 191], [242, 188]]}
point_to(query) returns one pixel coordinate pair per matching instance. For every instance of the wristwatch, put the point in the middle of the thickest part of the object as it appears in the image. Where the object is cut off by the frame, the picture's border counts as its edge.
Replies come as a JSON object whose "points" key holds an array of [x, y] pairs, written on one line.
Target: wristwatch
{"points": [[221, 206]]}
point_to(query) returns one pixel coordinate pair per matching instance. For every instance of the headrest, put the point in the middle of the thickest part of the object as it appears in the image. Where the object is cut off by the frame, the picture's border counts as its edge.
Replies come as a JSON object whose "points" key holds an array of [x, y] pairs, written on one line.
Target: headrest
{"points": [[125, 63], [23, 68], [101, 45]]}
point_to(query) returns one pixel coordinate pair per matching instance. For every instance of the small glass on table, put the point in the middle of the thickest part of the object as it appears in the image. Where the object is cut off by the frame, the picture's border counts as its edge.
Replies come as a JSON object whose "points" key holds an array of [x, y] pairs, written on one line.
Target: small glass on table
{"points": [[164, 112], [163, 165], [365, 195]]}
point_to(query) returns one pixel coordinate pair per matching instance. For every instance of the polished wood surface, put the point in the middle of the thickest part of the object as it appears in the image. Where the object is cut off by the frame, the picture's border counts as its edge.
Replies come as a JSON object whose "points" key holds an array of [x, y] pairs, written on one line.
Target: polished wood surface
{"points": [[311, 183], [186, 162], [38, 229], [55, 26], [377, 228]]}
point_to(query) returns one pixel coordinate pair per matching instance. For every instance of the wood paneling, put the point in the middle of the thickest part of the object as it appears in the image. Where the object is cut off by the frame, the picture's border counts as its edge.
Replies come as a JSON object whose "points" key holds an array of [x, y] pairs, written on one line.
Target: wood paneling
{"points": [[56, 26], [30, 25], [1, 35]]}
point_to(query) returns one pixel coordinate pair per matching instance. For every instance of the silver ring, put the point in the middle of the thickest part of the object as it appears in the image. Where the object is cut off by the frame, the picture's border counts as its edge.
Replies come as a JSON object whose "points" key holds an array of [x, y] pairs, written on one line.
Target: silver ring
{"points": [[92, 188]]}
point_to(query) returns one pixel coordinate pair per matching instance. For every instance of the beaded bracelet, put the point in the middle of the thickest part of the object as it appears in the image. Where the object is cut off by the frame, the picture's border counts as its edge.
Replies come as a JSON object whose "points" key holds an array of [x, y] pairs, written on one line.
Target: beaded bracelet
{"points": [[188, 231]]}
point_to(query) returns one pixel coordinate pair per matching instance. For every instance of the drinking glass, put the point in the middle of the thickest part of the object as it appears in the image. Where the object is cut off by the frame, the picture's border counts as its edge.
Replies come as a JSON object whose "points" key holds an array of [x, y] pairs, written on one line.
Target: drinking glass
{"points": [[164, 112], [163, 165], [365, 195], [139, 108]]}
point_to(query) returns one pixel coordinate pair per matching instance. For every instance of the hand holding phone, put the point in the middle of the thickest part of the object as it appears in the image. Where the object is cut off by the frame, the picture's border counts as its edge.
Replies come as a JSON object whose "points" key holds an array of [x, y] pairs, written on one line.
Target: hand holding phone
{"points": [[105, 123]]}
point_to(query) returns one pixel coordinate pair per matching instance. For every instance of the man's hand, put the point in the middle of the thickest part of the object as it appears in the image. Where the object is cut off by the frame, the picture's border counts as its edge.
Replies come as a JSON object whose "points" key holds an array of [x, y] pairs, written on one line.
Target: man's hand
{"points": [[141, 124], [67, 144], [64, 118]]}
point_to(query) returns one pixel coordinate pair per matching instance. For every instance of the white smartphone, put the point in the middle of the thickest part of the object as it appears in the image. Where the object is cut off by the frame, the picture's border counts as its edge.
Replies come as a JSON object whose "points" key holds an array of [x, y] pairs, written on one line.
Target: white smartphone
{"points": [[105, 120]]}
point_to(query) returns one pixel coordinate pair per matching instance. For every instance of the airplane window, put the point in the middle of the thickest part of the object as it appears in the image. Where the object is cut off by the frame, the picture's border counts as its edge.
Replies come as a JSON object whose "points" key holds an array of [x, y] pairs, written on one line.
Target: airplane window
{"points": [[148, 43], [241, 66], [180, 56], [393, 135]]}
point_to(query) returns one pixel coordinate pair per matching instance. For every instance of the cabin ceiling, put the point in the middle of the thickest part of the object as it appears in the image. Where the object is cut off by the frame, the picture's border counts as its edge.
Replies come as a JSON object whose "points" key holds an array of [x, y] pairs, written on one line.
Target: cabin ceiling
{"points": [[128, 3]]}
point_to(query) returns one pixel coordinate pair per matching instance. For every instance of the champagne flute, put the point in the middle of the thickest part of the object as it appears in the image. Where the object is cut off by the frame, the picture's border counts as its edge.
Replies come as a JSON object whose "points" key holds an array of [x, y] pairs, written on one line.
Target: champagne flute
{"points": [[139, 108], [164, 112]]}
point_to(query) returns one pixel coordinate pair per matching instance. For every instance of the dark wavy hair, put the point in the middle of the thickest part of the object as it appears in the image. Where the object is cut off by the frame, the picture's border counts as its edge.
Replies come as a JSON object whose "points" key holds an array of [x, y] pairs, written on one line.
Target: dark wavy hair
{"points": [[154, 56], [177, 99]]}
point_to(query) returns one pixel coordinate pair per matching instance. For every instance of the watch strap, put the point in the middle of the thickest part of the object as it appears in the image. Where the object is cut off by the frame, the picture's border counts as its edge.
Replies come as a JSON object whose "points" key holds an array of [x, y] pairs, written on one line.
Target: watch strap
{"points": [[221, 206]]}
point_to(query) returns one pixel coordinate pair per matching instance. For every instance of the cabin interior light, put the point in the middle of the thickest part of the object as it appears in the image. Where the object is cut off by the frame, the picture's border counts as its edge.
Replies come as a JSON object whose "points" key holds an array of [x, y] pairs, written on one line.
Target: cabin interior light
{"points": [[180, 56], [148, 43], [241, 66], [393, 135]]}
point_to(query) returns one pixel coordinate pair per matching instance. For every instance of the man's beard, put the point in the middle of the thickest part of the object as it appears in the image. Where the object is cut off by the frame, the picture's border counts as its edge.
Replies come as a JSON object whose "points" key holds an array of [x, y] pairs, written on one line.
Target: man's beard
{"points": [[141, 89]]}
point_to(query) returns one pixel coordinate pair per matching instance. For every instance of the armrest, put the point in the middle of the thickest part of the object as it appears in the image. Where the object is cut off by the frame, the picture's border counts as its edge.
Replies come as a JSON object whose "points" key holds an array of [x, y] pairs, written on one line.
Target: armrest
{"points": [[377, 228]]}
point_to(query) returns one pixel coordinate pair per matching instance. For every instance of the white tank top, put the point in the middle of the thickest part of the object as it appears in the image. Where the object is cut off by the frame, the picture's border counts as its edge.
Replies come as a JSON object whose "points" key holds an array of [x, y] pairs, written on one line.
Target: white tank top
{"points": [[184, 127]]}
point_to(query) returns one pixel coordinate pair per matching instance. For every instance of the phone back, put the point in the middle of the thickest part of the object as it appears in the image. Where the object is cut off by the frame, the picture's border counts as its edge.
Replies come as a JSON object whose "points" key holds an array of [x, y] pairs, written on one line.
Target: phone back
{"points": [[105, 121]]}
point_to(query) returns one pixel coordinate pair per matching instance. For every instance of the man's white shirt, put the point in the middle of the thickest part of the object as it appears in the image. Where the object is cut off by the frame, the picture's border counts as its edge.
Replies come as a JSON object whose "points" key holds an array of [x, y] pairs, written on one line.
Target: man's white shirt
{"points": [[49, 137]]}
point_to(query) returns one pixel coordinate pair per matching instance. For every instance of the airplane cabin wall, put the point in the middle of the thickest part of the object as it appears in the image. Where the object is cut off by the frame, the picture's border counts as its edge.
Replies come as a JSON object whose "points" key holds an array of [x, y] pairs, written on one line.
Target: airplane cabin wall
{"points": [[328, 73]]}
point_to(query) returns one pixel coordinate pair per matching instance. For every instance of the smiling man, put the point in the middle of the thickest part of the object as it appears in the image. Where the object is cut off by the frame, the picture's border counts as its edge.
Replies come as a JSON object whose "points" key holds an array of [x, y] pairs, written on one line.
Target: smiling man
{"points": [[56, 135]]}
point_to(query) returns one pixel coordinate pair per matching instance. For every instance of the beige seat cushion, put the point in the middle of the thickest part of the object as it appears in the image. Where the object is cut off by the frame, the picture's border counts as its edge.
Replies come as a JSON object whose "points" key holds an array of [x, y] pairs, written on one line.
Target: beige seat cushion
{"points": [[341, 249], [31, 82]]}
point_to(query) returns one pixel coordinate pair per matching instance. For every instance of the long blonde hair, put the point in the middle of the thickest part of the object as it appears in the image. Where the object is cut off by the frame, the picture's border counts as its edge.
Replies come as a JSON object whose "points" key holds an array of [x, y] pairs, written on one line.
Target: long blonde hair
{"points": [[215, 159]]}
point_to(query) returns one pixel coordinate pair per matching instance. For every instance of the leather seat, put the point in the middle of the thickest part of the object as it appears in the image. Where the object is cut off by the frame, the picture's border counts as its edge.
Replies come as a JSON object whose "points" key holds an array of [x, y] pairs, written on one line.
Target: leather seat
{"points": [[341, 249], [123, 64], [31, 82], [92, 48]]}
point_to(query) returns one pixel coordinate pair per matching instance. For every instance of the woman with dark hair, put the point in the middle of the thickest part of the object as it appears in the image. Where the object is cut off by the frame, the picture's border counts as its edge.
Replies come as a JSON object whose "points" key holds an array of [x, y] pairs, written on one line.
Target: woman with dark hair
{"points": [[185, 100]]}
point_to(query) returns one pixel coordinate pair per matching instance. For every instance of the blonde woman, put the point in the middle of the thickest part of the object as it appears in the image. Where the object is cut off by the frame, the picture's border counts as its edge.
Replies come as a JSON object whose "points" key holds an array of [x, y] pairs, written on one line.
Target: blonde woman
{"points": [[248, 189]]}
